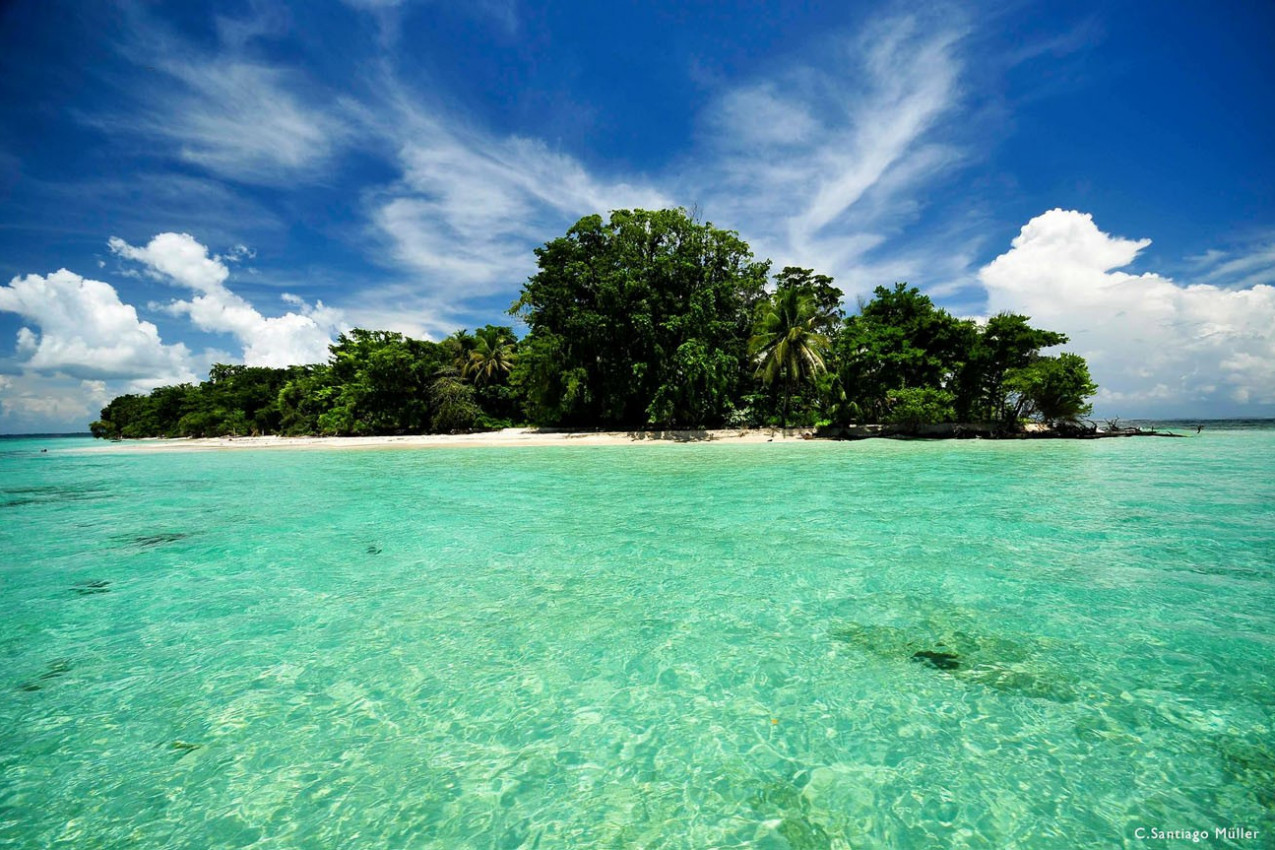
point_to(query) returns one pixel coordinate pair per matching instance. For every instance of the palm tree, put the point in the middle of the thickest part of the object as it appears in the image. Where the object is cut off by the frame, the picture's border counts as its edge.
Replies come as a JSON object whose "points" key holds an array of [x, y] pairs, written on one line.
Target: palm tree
{"points": [[492, 355], [458, 346], [785, 342]]}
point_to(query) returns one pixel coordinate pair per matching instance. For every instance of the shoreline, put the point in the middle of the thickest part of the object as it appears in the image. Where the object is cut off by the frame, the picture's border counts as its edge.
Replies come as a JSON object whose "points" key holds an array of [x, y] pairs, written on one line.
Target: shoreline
{"points": [[506, 438], [533, 437]]}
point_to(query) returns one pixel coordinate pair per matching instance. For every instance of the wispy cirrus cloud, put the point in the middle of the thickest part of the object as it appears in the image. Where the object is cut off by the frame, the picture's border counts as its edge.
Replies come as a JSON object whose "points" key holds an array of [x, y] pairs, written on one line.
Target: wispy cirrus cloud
{"points": [[503, 13], [222, 110], [817, 164], [820, 163], [1247, 266], [824, 161], [470, 207], [462, 220], [240, 120]]}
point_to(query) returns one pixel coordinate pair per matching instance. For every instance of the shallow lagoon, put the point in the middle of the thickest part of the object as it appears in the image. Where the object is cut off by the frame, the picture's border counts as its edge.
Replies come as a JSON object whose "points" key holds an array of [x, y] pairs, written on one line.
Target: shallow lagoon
{"points": [[876, 644]]}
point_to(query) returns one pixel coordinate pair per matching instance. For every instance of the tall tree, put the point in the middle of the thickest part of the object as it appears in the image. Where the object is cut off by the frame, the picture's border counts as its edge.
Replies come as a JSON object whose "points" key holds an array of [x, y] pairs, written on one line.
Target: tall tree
{"points": [[899, 340], [1007, 342], [639, 320], [787, 344], [381, 383], [458, 345], [820, 288]]}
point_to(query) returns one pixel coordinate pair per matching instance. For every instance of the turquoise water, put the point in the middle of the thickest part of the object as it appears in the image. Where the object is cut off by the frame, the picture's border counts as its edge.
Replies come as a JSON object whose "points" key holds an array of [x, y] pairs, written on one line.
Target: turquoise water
{"points": [[642, 646]]}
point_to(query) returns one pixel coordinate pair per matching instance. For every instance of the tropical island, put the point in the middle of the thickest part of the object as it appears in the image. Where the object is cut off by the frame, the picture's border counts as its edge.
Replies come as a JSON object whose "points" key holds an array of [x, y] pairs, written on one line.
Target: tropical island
{"points": [[655, 321]]}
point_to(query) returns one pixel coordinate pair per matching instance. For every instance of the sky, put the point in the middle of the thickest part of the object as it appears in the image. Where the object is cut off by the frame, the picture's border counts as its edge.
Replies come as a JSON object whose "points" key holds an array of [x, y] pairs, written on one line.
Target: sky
{"points": [[189, 183]]}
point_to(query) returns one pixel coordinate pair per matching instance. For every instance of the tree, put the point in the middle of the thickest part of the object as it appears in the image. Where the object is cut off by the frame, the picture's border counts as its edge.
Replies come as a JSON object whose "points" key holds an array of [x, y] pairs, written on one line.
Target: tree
{"points": [[645, 318], [458, 345], [304, 399], [787, 344], [913, 406], [453, 404], [639, 320], [820, 288], [492, 357], [1053, 389], [1007, 342], [380, 383], [899, 340]]}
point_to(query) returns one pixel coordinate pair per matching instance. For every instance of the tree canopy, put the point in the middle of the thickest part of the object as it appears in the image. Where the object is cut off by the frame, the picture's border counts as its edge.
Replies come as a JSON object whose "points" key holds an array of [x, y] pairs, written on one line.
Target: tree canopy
{"points": [[640, 320]]}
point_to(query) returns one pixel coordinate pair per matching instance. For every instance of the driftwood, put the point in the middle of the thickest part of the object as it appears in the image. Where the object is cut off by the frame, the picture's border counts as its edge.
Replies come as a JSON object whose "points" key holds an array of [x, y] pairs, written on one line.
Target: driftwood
{"points": [[1130, 432]]}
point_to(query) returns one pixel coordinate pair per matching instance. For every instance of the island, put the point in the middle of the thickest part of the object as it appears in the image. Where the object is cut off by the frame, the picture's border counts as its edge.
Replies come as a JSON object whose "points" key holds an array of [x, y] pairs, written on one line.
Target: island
{"points": [[654, 322]]}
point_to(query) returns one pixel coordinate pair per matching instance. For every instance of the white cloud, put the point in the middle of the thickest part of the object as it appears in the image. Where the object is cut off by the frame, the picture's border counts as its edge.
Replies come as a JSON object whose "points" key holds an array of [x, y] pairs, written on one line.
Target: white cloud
{"points": [[503, 13], [179, 257], [1234, 269], [817, 166], [243, 121], [85, 331], [1152, 343], [820, 164], [293, 338], [236, 254], [225, 112], [403, 308], [470, 208], [33, 403]]}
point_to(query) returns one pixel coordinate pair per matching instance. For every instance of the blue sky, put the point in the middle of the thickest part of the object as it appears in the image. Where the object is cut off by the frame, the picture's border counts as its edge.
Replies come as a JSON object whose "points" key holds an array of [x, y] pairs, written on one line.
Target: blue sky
{"points": [[189, 183]]}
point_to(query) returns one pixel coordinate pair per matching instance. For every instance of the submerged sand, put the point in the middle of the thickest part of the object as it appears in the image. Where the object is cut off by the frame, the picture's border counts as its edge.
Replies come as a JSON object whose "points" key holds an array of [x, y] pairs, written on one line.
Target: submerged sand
{"points": [[504, 438]]}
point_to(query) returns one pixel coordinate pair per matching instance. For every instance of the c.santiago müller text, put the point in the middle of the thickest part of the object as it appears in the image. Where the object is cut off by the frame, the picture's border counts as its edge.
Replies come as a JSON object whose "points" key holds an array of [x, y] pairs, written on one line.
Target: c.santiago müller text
{"points": [[1232, 833]]}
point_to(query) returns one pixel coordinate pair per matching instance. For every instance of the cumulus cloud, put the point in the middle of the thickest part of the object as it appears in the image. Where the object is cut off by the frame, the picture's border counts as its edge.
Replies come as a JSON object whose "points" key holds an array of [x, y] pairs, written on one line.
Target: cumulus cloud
{"points": [[85, 331], [297, 337], [1152, 343]]}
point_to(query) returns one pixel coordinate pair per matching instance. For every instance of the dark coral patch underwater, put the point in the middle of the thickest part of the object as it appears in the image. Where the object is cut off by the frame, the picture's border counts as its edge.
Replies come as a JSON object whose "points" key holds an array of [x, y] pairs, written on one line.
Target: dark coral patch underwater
{"points": [[91, 588]]}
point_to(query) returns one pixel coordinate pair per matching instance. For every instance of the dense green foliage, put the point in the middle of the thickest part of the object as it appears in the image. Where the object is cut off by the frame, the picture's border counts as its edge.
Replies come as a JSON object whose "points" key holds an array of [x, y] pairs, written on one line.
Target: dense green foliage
{"points": [[375, 382], [642, 320], [648, 319], [1051, 388], [787, 345]]}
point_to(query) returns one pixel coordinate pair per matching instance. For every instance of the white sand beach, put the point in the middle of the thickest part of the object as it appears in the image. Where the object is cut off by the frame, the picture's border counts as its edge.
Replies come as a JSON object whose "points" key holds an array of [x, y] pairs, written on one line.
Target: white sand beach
{"points": [[494, 439]]}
